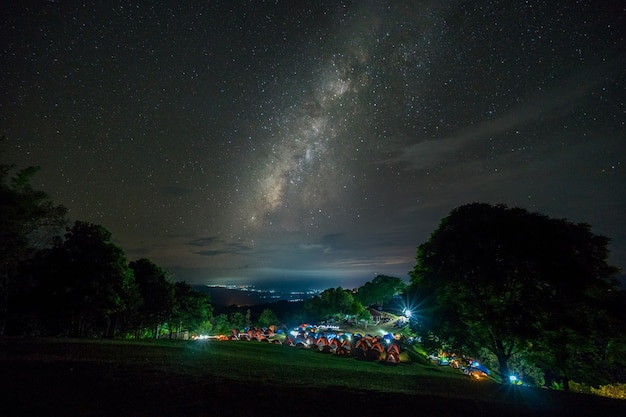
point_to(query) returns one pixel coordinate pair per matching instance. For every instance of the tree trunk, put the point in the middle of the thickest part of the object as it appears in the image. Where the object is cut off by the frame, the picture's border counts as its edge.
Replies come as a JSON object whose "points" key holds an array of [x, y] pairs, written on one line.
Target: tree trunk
{"points": [[503, 354], [565, 384], [115, 324], [503, 363]]}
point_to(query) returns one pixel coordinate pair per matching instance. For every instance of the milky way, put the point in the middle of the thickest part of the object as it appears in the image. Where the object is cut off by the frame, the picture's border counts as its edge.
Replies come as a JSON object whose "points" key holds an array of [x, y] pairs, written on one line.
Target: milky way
{"points": [[236, 142]]}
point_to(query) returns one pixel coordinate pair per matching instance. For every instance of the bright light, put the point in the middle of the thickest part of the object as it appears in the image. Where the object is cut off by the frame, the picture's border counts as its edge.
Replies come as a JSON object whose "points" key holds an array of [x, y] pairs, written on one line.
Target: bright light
{"points": [[407, 313], [512, 378]]}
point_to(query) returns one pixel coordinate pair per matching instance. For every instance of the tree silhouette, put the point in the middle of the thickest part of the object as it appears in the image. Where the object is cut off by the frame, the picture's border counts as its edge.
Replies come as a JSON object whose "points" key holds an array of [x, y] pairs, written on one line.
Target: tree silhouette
{"points": [[25, 215], [157, 295], [85, 281], [513, 281], [191, 308], [380, 290]]}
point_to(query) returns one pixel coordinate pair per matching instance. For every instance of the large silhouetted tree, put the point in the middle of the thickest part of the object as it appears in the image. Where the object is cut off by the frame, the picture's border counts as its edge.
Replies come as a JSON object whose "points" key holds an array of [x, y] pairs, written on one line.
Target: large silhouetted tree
{"points": [[514, 281], [25, 215], [85, 282], [157, 295], [191, 308]]}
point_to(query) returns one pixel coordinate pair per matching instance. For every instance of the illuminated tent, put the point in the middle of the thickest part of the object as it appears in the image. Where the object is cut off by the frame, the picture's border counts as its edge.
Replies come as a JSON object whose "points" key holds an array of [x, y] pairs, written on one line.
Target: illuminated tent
{"points": [[393, 353]]}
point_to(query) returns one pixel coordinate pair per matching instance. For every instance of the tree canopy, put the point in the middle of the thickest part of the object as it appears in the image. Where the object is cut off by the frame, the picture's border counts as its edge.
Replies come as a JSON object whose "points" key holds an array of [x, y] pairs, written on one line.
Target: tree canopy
{"points": [[26, 215], [267, 318], [511, 281], [380, 290], [157, 295], [191, 308], [84, 281], [331, 302]]}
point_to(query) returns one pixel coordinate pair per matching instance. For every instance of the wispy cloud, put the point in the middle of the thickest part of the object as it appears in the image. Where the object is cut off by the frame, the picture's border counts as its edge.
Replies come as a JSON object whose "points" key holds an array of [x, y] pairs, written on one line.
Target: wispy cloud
{"points": [[204, 241], [561, 98]]}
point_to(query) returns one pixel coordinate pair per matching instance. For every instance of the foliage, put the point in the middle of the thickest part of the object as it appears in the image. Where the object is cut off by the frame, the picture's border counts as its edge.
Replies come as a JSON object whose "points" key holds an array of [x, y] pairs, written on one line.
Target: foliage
{"points": [[191, 308], [332, 302], [514, 281], [221, 324], [612, 391], [27, 218], [380, 290], [84, 286], [238, 320], [79, 284], [84, 281], [615, 354], [157, 295], [520, 365], [267, 318], [360, 312]]}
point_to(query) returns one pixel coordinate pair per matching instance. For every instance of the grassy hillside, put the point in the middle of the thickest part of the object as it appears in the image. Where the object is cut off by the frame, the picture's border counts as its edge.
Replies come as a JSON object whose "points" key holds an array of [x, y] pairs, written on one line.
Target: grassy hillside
{"points": [[89, 378]]}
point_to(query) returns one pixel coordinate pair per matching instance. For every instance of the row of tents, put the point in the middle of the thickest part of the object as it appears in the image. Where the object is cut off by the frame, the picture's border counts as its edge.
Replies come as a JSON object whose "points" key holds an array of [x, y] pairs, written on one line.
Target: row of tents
{"points": [[367, 347]]}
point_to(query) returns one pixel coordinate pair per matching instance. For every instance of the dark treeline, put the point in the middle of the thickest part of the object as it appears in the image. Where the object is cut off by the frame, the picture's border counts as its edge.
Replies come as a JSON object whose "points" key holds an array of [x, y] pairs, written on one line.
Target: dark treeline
{"points": [[84, 286], [73, 281]]}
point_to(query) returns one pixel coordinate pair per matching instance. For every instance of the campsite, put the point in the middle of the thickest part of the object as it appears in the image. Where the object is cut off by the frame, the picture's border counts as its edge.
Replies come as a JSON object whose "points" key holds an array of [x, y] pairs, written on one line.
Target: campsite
{"points": [[59, 377]]}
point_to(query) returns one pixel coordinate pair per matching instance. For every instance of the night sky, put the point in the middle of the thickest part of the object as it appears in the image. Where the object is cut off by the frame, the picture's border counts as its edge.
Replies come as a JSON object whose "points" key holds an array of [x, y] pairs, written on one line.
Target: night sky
{"points": [[315, 144]]}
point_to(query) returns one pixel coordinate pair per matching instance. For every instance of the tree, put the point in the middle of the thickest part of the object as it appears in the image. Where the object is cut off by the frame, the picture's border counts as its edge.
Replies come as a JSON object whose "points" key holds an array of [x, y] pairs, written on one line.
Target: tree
{"points": [[238, 320], [380, 290], [221, 325], [26, 215], [85, 281], [331, 302], [191, 308], [267, 318], [157, 295], [511, 281]]}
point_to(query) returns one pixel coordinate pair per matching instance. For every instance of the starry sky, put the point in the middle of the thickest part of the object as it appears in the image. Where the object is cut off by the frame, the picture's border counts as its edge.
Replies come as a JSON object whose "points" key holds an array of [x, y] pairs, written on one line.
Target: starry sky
{"points": [[314, 143]]}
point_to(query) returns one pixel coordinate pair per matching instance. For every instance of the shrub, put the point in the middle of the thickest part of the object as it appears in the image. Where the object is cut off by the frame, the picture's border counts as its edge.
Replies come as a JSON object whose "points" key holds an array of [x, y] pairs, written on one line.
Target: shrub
{"points": [[612, 390]]}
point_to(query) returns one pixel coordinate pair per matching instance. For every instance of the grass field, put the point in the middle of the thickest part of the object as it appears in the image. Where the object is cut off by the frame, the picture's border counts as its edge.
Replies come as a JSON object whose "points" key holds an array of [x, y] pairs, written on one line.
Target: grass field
{"points": [[60, 377]]}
